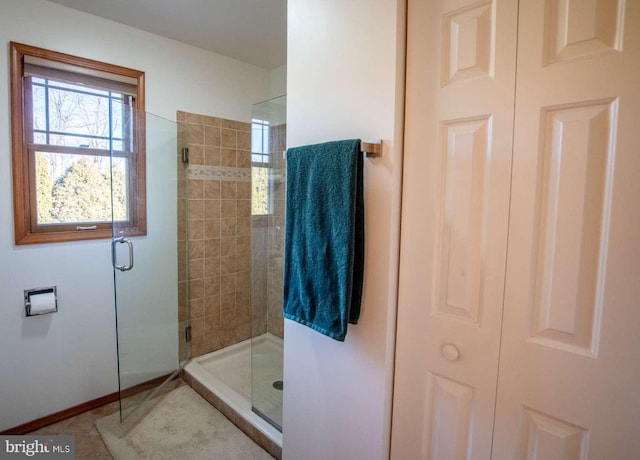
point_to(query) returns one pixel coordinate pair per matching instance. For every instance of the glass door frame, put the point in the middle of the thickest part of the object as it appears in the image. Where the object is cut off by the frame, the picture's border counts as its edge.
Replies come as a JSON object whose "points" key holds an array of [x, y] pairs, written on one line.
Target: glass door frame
{"points": [[152, 318]]}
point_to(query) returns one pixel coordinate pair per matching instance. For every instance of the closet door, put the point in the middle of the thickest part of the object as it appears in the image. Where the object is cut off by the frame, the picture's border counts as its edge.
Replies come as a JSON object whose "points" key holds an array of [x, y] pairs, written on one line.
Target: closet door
{"points": [[456, 179], [570, 356]]}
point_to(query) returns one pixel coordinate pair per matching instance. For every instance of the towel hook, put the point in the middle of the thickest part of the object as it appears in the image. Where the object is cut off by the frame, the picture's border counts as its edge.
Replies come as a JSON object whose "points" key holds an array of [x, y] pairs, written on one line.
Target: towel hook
{"points": [[371, 149]]}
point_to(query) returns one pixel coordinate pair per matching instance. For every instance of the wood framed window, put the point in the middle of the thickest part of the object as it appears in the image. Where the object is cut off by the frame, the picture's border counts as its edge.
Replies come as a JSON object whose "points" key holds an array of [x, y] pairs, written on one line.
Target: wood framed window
{"points": [[78, 141]]}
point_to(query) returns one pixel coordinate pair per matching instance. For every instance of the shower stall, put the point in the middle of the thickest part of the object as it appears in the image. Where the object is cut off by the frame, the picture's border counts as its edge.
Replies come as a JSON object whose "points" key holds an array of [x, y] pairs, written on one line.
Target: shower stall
{"points": [[200, 295], [237, 360]]}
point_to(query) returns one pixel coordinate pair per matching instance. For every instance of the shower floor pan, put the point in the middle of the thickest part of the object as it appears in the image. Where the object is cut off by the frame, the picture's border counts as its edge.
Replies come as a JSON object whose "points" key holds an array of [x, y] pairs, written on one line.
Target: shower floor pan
{"points": [[223, 377]]}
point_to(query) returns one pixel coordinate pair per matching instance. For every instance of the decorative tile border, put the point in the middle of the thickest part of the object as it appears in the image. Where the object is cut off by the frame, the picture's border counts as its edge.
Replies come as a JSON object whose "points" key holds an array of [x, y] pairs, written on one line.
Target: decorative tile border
{"points": [[224, 173]]}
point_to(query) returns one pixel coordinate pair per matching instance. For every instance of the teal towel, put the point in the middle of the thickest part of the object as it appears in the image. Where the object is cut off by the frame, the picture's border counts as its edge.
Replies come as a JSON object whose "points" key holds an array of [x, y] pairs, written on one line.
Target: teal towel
{"points": [[324, 245]]}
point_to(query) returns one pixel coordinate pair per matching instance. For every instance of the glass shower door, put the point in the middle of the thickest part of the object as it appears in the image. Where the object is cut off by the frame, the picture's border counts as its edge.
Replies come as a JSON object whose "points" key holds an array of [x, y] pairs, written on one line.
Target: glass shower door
{"points": [[268, 187], [151, 311]]}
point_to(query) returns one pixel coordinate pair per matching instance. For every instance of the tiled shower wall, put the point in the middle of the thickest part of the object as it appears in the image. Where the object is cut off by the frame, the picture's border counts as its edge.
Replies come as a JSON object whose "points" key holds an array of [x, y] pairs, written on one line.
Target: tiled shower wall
{"points": [[217, 243]]}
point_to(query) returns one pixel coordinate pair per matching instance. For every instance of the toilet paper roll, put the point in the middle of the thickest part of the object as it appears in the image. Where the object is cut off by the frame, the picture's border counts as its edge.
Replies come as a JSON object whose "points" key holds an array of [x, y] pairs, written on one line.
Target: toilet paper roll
{"points": [[42, 303]]}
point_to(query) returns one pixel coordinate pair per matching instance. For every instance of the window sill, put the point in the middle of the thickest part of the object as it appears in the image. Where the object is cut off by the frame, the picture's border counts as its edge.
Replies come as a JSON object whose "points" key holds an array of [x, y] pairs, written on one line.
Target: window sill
{"points": [[66, 237]]}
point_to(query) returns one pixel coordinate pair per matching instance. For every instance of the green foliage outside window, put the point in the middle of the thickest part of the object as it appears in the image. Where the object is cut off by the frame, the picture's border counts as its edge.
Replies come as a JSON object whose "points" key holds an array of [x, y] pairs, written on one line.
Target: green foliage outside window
{"points": [[81, 194], [259, 191]]}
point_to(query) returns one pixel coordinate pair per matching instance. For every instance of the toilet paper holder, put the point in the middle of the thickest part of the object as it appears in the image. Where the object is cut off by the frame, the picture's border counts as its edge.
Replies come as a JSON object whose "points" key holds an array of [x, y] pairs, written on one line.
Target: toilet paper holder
{"points": [[28, 293]]}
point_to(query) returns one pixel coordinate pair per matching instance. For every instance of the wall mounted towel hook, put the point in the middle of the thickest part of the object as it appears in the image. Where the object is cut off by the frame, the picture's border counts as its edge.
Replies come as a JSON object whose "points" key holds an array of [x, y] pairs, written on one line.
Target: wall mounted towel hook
{"points": [[371, 149]]}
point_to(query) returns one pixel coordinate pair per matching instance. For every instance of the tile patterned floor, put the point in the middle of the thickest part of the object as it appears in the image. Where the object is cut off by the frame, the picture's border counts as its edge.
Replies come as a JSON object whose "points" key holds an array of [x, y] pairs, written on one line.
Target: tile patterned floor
{"points": [[88, 443]]}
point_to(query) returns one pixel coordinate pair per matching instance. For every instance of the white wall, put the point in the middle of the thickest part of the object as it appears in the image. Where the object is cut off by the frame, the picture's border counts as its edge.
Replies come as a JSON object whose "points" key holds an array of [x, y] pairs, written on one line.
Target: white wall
{"points": [[345, 79], [278, 81], [50, 363]]}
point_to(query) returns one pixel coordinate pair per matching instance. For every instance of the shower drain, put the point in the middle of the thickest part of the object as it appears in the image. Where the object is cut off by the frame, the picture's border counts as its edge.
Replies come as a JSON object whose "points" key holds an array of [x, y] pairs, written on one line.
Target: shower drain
{"points": [[278, 384]]}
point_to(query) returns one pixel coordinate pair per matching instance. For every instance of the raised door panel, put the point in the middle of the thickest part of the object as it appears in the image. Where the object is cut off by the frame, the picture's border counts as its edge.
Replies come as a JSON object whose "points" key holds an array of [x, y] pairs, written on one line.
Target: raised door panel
{"points": [[573, 205], [450, 418], [547, 438], [467, 48], [575, 29], [462, 235]]}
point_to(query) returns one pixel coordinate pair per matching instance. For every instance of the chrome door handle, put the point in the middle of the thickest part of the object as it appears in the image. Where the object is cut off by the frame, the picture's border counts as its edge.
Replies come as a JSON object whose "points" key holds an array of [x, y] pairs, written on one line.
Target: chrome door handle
{"points": [[123, 240]]}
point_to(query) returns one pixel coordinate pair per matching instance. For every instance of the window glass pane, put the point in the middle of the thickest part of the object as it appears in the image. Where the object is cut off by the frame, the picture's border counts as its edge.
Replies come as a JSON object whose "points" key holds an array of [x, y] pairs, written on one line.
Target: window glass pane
{"points": [[259, 136], [117, 113], [120, 190], [260, 191], [77, 188], [39, 138], [77, 113], [259, 158], [121, 122], [39, 108], [256, 138], [80, 116]]}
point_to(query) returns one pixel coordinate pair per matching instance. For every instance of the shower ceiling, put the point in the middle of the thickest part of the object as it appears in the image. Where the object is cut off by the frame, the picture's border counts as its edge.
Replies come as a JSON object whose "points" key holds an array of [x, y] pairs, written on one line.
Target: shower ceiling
{"points": [[253, 31]]}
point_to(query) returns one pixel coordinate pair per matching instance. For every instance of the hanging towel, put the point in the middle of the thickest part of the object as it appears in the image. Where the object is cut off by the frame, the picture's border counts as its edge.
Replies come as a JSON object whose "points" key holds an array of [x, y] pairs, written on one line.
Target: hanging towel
{"points": [[324, 238]]}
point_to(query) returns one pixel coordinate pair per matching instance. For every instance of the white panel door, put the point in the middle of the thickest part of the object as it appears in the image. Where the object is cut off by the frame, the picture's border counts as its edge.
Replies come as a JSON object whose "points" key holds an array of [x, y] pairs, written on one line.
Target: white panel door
{"points": [[456, 179], [569, 385]]}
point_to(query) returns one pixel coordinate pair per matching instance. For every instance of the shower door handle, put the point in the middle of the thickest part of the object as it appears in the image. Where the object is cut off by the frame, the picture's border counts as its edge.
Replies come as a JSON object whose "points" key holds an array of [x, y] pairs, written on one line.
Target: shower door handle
{"points": [[122, 240]]}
